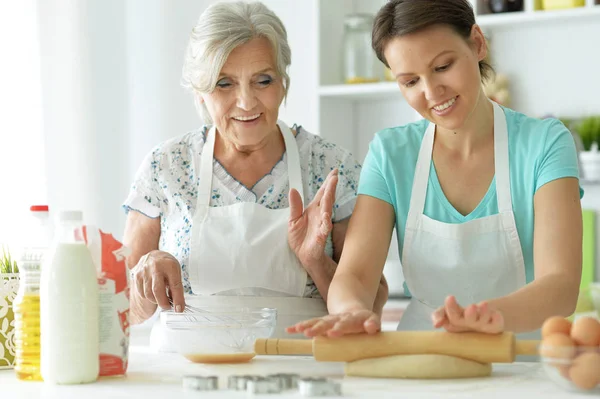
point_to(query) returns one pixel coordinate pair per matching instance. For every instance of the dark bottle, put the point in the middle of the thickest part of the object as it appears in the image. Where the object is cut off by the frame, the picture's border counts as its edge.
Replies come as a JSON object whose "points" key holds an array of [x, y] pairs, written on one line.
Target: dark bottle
{"points": [[497, 6]]}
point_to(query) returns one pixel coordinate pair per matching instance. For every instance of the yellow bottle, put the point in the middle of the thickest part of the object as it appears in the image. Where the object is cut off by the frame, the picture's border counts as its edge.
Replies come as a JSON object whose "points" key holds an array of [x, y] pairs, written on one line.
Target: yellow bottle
{"points": [[27, 335], [26, 305]]}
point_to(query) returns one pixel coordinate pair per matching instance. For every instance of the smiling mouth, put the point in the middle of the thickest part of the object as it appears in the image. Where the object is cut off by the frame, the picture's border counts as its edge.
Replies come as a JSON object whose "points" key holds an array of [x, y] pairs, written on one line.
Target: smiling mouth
{"points": [[247, 118], [445, 105]]}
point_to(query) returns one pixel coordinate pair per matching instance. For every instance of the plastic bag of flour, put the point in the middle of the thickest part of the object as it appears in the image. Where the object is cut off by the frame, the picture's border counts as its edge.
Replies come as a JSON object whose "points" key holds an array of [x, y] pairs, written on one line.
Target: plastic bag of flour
{"points": [[108, 256]]}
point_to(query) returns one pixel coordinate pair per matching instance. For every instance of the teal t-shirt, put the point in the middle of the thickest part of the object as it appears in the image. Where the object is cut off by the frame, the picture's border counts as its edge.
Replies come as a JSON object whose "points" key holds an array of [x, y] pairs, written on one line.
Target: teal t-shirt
{"points": [[539, 151]]}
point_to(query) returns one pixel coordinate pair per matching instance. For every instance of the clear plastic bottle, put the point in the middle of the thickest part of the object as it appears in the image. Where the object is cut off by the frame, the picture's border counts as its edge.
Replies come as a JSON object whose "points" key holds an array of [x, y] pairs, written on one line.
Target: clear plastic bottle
{"points": [[26, 305], [69, 307]]}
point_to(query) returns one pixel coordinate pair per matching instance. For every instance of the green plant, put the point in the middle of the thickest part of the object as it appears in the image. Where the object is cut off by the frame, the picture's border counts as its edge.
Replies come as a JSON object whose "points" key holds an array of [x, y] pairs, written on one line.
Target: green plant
{"points": [[589, 131], [7, 264], [569, 123]]}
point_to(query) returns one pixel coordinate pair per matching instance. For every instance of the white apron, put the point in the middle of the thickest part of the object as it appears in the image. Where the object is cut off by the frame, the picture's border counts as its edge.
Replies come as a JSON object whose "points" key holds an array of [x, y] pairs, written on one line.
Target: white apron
{"points": [[243, 249], [474, 261]]}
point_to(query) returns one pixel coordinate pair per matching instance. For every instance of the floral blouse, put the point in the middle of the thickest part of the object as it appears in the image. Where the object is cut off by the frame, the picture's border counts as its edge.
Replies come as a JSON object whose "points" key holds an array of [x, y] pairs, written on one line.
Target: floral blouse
{"points": [[166, 186]]}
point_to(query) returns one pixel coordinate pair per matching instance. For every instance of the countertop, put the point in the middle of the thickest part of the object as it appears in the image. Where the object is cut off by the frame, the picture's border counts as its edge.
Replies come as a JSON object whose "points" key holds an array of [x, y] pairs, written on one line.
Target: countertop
{"points": [[158, 376], [151, 375]]}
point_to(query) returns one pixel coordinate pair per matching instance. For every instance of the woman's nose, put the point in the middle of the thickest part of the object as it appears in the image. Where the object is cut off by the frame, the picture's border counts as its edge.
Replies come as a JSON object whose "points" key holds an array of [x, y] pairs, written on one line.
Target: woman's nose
{"points": [[433, 90], [246, 98]]}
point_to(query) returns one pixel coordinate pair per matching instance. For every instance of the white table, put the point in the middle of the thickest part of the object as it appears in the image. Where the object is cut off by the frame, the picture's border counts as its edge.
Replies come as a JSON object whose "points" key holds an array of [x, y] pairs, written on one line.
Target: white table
{"points": [[152, 375]]}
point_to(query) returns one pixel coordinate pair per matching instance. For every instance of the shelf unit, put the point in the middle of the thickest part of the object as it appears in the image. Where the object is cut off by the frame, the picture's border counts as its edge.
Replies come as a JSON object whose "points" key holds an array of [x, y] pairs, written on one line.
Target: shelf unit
{"points": [[330, 85], [532, 11], [350, 113], [507, 19], [360, 91]]}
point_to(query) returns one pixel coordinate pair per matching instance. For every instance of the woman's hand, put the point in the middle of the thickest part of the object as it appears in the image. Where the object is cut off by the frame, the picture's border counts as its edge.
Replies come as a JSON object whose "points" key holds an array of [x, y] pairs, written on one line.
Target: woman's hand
{"points": [[336, 325], [308, 228], [479, 317], [155, 273]]}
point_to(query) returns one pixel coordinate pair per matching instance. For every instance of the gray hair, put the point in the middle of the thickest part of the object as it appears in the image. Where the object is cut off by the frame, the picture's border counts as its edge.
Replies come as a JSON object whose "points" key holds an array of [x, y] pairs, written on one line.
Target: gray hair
{"points": [[220, 29]]}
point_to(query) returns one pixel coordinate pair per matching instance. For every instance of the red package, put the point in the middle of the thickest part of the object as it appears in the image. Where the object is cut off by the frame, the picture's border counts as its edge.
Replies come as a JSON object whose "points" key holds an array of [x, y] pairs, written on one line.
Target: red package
{"points": [[108, 256]]}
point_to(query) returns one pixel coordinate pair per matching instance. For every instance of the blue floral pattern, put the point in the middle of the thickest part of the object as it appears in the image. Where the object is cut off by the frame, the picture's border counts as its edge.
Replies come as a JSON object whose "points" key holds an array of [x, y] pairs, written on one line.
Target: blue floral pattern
{"points": [[166, 186]]}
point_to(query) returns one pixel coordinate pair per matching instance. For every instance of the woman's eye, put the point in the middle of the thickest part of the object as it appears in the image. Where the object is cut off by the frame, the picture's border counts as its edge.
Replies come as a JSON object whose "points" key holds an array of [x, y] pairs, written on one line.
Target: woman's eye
{"points": [[443, 67], [410, 83], [223, 83], [265, 81]]}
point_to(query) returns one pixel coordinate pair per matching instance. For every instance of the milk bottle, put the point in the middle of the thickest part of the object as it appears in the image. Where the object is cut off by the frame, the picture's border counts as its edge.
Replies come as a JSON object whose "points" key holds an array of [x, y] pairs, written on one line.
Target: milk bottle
{"points": [[69, 307]]}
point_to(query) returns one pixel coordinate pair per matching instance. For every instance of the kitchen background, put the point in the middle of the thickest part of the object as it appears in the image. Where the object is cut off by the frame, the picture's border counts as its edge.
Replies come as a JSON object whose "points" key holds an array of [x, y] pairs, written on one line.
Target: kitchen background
{"points": [[89, 87]]}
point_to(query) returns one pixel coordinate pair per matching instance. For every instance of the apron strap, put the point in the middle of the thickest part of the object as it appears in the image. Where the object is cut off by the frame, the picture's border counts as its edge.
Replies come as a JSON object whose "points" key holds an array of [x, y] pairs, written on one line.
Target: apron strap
{"points": [[205, 167], [501, 161], [205, 174], [293, 159], [419, 186]]}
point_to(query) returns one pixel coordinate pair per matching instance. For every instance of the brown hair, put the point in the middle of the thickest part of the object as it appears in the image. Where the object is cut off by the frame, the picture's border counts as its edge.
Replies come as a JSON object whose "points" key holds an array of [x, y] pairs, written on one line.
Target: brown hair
{"points": [[402, 17]]}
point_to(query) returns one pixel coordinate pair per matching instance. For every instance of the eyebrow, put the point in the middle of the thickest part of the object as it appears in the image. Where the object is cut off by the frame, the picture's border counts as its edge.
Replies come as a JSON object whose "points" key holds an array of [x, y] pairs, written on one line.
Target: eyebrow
{"points": [[262, 71], [430, 63]]}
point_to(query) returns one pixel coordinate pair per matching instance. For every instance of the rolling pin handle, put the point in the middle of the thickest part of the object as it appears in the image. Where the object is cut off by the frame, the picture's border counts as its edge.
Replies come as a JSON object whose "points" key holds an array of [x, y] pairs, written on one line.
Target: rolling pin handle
{"points": [[274, 346], [527, 347]]}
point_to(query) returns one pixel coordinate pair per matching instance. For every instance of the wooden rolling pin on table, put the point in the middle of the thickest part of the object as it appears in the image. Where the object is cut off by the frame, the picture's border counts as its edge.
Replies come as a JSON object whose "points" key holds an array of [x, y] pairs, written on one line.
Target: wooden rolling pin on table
{"points": [[483, 348]]}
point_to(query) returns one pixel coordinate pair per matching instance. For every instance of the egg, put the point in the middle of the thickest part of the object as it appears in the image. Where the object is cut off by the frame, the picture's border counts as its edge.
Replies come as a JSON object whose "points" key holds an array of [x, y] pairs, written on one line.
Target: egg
{"points": [[556, 324], [558, 346], [585, 371], [586, 332]]}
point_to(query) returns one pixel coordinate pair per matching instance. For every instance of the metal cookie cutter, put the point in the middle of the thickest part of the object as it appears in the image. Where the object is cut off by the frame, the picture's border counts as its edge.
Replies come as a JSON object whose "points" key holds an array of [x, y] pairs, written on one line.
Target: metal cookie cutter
{"points": [[286, 381], [319, 387], [263, 385], [200, 383], [239, 382]]}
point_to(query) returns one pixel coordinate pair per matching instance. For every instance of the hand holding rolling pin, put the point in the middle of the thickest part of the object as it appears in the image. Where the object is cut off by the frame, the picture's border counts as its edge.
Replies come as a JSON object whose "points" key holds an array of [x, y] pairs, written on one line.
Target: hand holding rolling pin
{"points": [[336, 325], [475, 317]]}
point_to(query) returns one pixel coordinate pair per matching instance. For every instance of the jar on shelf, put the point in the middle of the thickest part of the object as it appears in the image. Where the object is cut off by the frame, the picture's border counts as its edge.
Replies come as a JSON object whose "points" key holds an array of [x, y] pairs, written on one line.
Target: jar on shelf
{"points": [[360, 63], [498, 6]]}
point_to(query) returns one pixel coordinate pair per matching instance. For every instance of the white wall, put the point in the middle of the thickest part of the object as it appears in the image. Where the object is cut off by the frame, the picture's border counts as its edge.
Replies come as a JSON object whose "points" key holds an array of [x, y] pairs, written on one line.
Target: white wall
{"points": [[111, 88], [554, 67]]}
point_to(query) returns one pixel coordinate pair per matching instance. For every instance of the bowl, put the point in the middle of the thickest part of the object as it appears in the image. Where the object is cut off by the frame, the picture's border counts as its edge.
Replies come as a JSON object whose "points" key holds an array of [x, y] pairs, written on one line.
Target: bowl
{"points": [[575, 369], [218, 334]]}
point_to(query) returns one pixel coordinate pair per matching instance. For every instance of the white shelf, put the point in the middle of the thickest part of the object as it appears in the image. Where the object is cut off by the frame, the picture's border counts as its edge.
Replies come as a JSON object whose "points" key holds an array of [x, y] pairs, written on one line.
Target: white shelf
{"points": [[510, 18], [361, 90]]}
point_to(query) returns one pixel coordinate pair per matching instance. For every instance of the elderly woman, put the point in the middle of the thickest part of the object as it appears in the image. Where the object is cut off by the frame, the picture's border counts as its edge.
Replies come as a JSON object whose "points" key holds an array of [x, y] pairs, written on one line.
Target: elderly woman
{"points": [[245, 211]]}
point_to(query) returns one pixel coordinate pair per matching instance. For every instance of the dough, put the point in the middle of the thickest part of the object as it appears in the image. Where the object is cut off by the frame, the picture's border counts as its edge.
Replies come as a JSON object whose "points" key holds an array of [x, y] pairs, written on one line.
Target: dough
{"points": [[418, 366]]}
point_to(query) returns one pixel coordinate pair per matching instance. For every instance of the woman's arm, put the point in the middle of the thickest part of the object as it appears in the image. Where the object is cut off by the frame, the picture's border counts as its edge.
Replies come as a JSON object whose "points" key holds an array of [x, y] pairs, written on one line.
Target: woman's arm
{"points": [[141, 236], [357, 283], [322, 272], [557, 249]]}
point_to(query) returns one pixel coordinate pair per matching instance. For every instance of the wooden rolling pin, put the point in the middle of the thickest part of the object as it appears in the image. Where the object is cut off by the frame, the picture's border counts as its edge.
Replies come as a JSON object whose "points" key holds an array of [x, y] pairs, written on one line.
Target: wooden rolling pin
{"points": [[483, 348]]}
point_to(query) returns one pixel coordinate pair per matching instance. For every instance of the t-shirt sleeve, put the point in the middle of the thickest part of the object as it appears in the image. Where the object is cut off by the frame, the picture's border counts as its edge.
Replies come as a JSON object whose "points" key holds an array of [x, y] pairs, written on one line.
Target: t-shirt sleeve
{"points": [[372, 179], [144, 194], [346, 190], [559, 157]]}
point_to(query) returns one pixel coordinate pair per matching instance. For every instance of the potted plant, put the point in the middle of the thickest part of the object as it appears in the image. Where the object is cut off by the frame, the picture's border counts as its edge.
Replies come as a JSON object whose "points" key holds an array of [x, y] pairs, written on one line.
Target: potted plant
{"points": [[9, 284], [588, 130]]}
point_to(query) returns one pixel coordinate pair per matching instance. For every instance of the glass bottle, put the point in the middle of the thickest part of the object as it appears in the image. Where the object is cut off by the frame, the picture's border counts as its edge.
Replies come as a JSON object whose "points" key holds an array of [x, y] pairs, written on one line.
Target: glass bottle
{"points": [[360, 63]]}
